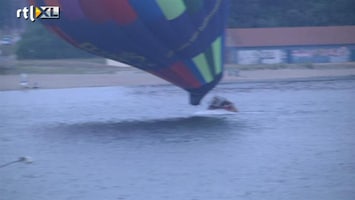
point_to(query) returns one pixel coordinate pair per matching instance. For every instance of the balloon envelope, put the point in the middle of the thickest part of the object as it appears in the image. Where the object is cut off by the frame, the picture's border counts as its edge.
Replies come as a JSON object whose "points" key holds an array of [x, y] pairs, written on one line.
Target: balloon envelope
{"points": [[180, 41]]}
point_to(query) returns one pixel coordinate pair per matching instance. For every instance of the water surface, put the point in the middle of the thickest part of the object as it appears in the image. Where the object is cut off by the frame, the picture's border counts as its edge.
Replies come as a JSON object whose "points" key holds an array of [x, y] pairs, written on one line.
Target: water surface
{"points": [[290, 140]]}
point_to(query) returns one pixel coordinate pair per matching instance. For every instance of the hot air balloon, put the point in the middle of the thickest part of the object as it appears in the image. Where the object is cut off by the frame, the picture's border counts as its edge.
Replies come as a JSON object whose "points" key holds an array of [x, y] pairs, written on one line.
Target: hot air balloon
{"points": [[180, 41]]}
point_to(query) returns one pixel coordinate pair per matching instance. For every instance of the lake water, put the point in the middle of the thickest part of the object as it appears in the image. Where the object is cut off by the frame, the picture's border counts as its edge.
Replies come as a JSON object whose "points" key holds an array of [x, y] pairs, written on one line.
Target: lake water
{"points": [[290, 140]]}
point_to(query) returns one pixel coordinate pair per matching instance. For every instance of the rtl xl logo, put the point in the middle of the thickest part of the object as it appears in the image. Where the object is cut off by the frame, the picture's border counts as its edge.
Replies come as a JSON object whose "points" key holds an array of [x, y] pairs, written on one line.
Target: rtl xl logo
{"points": [[38, 12]]}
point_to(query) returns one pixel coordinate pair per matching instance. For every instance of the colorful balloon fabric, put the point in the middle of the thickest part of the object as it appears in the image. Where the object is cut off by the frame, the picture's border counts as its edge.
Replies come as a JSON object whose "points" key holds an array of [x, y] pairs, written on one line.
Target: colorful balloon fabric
{"points": [[180, 41]]}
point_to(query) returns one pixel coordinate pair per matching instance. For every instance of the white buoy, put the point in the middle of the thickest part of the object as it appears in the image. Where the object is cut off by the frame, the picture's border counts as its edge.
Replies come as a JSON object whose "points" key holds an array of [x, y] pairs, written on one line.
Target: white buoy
{"points": [[24, 159]]}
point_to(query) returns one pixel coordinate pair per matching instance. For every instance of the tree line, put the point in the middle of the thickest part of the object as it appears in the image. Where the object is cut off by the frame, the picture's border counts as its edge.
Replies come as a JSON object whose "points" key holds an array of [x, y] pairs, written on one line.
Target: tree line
{"points": [[259, 13], [243, 14], [291, 13]]}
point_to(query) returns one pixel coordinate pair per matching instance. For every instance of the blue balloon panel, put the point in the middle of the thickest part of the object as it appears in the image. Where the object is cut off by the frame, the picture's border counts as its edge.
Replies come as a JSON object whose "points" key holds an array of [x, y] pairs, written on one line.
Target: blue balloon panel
{"points": [[180, 41]]}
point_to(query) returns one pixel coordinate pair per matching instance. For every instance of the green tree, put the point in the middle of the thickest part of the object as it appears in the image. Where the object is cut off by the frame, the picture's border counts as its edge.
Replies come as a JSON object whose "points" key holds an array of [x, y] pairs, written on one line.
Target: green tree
{"points": [[38, 43], [288, 13], [5, 13]]}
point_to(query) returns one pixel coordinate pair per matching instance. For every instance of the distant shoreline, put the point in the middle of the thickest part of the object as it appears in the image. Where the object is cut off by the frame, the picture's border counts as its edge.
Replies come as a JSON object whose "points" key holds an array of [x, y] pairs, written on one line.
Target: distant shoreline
{"points": [[133, 77]]}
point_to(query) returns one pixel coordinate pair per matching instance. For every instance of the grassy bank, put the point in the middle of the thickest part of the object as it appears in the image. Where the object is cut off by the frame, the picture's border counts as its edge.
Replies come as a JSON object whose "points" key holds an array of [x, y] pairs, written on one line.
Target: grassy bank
{"points": [[11, 66]]}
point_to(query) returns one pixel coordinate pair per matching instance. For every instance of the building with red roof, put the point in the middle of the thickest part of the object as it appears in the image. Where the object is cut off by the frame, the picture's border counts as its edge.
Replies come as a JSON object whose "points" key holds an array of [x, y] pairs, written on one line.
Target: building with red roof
{"points": [[333, 44]]}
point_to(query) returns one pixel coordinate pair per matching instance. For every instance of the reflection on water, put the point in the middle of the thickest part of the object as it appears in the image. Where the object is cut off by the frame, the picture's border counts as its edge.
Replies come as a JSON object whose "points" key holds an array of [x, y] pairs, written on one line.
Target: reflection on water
{"points": [[291, 140], [159, 125], [173, 129]]}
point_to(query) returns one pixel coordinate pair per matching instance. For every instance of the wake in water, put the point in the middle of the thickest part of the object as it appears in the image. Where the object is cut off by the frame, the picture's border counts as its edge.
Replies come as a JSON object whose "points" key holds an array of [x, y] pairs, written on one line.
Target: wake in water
{"points": [[214, 113]]}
